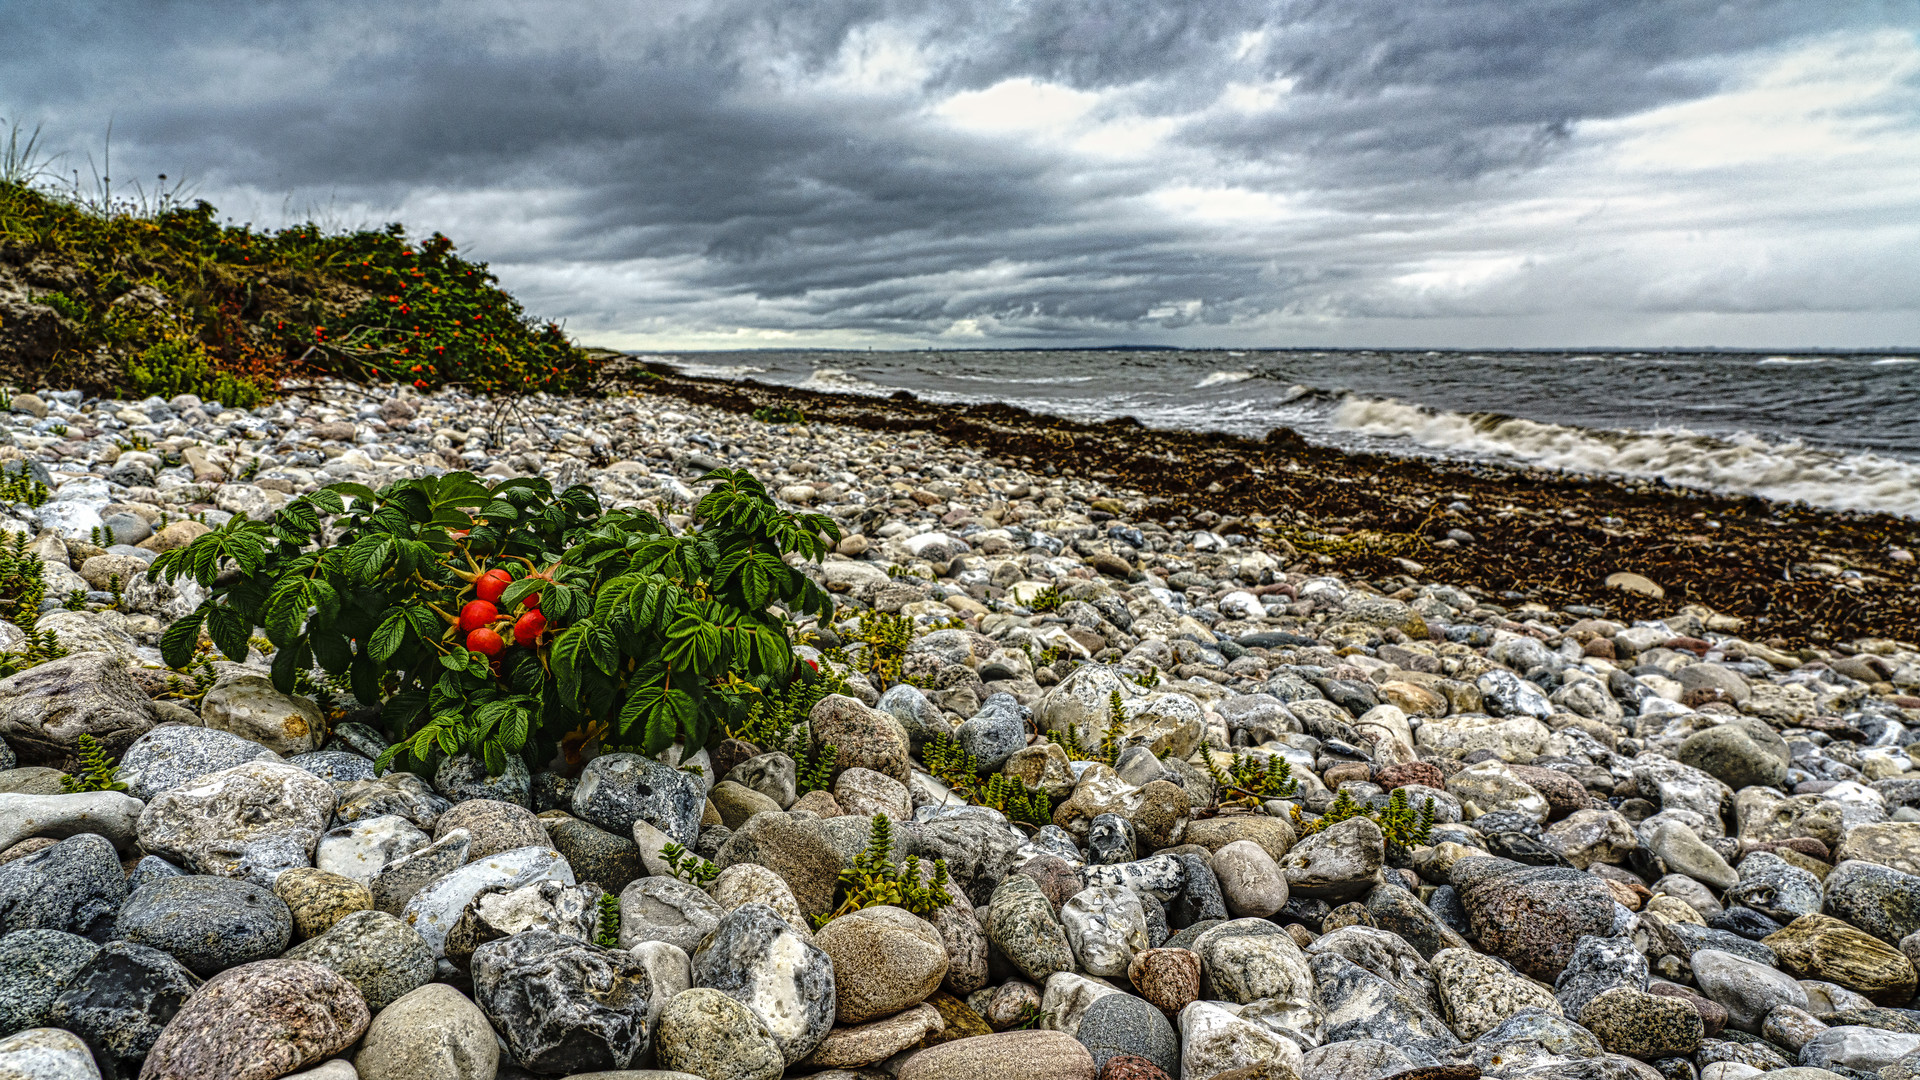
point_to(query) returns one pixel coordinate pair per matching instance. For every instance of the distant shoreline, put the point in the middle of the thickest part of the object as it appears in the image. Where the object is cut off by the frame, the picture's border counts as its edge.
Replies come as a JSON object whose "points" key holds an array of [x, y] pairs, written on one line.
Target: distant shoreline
{"points": [[1549, 536]]}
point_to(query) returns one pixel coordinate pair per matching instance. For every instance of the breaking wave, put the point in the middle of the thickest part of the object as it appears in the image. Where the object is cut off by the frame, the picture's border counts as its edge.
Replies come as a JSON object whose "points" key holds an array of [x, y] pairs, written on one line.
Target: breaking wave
{"points": [[1742, 464], [1223, 378]]}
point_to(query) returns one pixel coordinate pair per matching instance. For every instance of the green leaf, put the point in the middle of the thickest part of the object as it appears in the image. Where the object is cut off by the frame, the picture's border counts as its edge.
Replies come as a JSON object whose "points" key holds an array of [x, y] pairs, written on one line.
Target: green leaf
{"points": [[288, 661], [367, 558], [389, 636], [177, 643], [602, 648], [331, 650], [568, 657], [455, 660], [286, 611], [229, 631], [360, 493]]}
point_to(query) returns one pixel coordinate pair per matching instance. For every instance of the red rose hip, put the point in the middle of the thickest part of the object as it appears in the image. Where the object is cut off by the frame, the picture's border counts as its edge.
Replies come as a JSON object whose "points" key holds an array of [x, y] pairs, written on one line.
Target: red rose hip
{"points": [[527, 627], [476, 614], [491, 584], [485, 642]]}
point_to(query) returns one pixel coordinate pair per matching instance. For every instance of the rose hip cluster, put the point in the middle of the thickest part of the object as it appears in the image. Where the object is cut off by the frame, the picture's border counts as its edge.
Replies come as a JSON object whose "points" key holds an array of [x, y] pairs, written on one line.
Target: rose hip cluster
{"points": [[482, 622]]}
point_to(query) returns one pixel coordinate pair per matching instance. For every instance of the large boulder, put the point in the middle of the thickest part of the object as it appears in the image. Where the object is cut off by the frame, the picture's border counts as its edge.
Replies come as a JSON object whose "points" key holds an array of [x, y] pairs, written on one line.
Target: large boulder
{"points": [[757, 958], [250, 707], [45, 709], [1532, 917], [175, 755], [617, 790], [563, 1005], [257, 1022], [76, 886]]}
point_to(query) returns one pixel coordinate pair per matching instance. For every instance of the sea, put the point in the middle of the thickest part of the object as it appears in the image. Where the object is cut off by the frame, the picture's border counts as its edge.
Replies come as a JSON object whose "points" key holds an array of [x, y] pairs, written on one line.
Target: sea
{"points": [[1837, 431]]}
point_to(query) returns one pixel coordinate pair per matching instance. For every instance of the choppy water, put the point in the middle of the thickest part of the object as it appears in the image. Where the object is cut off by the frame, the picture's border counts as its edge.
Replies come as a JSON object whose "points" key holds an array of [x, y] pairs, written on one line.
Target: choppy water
{"points": [[1837, 431]]}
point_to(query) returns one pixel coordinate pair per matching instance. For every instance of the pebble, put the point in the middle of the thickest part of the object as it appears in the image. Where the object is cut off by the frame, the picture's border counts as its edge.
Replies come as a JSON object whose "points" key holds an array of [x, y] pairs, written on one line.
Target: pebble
{"points": [[121, 1002], [885, 959], [259, 1021], [1031, 1055], [431, 1033], [563, 1006], [35, 966], [669, 910], [383, 957], [250, 821], [756, 957], [710, 1035], [208, 923], [75, 885], [436, 907], [175, 755]]}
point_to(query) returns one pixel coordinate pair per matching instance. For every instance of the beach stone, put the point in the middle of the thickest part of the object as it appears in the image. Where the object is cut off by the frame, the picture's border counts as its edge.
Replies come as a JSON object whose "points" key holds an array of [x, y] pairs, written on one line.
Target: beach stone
{"points": [[1478, 993], [431, 1033], [1105, 926], [399, 794], [978, 848], [1775, 888], [1030, 1055], [1586, 837], [400, 879], [121, 1002], [796, 850], [75, 885], [865, 1044], [1337, 863], [885, 959], [596, 855], [1213, 1041], [1167, 978], [1825, 948], [1790, 1027], [1011, 1004], [1878, 899], [1021, 925], [563, 1005], [1250, 880], [1861, 1049], [495, 826], [46, 1054], [866, 793], [1492, 785], [257, 1022], [710, 1035], [669, 969], [1066, 998], [735, 803], [993, 734], [1740, 753], [617, 790], [383, 957], [1123, 1024], [30, 780], [1532, 917], [1894, 844], [35, 965], [865, 738], [1747, 990], [667, 909], [1712, 1013], [1685, 853], [249, 706], [208, 923], [1248, 960], [433, 911], [1361, 1004], [250, 821], [1642, 1025], [1355, 1059], [1398, 911], [774, 775], [339, 766], [463, 778], [1599, 964], [755, 957], [318, 899], [175, 755], [46, 708]]}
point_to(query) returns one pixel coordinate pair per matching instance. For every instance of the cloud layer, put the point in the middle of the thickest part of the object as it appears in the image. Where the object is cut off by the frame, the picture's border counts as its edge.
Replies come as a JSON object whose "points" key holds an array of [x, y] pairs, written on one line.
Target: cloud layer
{"points": [[718, 172]]}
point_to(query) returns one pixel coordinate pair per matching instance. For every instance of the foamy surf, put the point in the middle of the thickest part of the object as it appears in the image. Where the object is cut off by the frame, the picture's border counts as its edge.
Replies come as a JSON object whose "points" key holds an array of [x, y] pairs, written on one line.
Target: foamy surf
{"points": [[1741, 465], [1223, 378]]}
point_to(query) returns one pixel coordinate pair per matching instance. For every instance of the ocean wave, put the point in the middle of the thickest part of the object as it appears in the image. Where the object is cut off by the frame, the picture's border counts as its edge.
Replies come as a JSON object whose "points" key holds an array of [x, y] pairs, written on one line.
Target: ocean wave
{"points": [[1223, 378], [1889, 360], [1744, 464], [717, 371], [1771, 360], [838, 381], [1045, 380]]}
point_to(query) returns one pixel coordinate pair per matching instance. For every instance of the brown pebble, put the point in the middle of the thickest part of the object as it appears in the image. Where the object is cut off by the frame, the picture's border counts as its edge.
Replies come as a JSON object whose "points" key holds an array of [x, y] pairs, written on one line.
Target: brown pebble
{"points": [[1168, 978]]}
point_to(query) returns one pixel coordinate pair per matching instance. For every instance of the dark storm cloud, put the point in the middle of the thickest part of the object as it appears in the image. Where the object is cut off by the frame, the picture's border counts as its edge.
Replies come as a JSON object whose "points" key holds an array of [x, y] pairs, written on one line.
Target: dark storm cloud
{"points": [[702, 166]]}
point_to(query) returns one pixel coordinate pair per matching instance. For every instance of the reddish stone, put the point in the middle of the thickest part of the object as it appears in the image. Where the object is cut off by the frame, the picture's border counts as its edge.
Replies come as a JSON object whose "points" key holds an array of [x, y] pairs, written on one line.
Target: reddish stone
{"points": [[1600, 647], [1168, 978], [1690, 644], [1131, 1067], [1345, 771], [1058, 879], [1412, 772], [1712, 1013]]}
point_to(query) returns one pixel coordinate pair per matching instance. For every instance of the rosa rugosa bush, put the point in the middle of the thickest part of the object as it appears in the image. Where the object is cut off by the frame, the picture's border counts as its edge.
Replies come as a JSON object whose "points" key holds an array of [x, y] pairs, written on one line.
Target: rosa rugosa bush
{"points": [[639, 636]]}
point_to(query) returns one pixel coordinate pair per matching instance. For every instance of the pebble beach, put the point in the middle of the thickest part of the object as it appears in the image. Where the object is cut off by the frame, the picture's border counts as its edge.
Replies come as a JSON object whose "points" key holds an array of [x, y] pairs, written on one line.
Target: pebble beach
{"points": [[1661, 837]]}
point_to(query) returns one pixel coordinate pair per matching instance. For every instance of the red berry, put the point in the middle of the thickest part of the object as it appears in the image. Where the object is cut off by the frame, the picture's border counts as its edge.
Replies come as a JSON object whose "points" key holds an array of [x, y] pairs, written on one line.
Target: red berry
{"points": [[476, 614], [485, 641], [527, 627], [491, 584], [531, 601]]}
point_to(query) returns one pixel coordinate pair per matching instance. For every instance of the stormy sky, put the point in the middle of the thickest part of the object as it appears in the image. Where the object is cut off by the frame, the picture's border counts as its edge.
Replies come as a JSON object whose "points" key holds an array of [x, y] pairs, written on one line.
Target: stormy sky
{"points": [[719, 173]]}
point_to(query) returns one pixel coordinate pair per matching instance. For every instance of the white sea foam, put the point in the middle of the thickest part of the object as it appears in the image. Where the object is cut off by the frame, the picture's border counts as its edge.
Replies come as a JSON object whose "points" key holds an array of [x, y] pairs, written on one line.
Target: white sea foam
{"points": [[718, 371], [1887, 360], [1793, 360], [1223, 378], [1747, 465], [838, 381]]}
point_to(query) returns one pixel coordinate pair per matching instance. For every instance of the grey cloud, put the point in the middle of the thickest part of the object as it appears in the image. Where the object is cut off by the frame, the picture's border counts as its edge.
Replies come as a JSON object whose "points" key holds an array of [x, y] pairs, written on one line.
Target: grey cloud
{"points": [[698, 139]]}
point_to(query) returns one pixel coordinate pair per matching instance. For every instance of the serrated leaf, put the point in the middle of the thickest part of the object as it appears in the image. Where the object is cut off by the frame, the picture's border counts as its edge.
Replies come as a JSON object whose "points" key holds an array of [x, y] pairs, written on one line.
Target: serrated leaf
{"points": [[177, 643], [229, 631], [389, 636], [568, 658]]}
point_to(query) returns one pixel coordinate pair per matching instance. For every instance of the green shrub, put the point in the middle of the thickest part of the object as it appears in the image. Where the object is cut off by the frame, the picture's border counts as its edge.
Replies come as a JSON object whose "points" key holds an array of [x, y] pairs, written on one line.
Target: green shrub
{"points": [[648, 636], [1248, 781], [22, 586], [873, 880], [182, 366], [96, 771]]}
